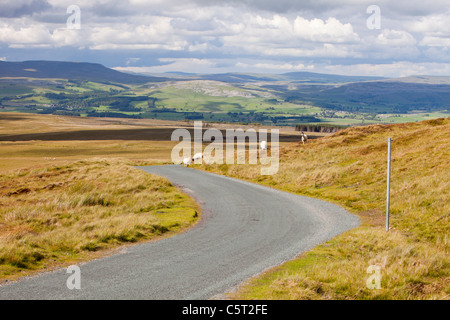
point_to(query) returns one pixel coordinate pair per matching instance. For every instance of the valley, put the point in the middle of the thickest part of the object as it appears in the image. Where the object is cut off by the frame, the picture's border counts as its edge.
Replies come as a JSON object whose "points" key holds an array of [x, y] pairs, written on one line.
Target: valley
{"points": [[280, 100]]}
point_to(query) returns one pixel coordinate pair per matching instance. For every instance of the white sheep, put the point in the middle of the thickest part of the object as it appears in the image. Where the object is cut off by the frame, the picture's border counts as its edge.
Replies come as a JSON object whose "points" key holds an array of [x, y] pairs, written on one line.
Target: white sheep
{"points": [[197, 156], [304, 138], [186, 162], [263, 145]]}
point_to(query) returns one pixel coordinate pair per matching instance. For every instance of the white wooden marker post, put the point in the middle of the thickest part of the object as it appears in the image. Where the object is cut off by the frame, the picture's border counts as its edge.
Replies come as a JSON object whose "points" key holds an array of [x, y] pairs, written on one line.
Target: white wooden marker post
{"points": [[388, 183]]}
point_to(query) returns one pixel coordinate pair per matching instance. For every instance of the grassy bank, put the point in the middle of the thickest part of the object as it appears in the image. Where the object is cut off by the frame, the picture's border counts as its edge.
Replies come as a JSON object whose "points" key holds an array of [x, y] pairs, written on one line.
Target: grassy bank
{"points": [[349, 168], [69, 212]]}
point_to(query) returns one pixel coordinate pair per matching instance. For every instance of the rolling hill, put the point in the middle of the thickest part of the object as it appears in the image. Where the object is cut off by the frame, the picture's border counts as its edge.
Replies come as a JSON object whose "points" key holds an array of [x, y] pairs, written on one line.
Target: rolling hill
{"points": [[345, 93], [383, 96], [70, 70]]}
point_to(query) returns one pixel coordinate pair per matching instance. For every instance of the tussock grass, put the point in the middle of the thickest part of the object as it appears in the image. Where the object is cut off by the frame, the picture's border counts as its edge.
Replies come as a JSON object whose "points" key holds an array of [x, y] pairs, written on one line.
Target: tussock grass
{"points": [[349, 168], [73, 211]]}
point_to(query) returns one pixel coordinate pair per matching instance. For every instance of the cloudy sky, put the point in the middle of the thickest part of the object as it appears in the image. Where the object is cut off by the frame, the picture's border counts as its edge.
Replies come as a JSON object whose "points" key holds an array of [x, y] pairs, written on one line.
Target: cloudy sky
{"points": [[351, 37]]}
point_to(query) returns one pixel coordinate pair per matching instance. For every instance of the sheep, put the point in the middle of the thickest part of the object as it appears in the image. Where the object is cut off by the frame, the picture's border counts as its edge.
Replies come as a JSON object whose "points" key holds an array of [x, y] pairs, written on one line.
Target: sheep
{"points": [[304, 137], [186, 162], [263, 145], [197, 156]]}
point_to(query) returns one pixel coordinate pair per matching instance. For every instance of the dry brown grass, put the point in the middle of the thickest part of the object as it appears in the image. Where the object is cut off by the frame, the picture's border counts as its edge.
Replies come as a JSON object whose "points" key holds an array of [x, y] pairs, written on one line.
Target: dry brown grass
{"points": [[349, 168], [37, 140], [66, 212], [30, 139]]}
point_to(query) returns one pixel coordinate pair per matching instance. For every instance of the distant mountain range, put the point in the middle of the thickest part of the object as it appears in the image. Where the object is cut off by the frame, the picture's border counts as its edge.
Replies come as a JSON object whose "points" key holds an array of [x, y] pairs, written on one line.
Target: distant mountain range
{"points": [[97, 72], [295, 77]]}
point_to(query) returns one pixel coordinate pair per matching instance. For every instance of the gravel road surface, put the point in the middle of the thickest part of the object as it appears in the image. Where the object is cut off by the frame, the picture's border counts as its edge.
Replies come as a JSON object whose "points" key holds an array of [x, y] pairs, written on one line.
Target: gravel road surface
{"points": [[245, 229]]}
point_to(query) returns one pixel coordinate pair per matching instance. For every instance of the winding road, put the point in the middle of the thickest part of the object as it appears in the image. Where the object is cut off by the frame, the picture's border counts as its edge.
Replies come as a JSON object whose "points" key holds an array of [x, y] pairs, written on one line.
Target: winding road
{"points": [[245, 229]]}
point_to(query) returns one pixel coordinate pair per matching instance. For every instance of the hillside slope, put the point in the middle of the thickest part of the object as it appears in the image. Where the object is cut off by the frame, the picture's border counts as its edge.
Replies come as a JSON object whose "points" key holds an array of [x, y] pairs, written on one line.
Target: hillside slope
{"points": [[385, 96], [70, 70], [349, 168]]}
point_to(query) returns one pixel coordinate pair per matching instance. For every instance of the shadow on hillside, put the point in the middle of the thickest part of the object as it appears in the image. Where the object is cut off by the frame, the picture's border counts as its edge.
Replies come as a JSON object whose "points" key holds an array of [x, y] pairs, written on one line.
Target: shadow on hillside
{"points": [[150, 134], [12, 117]]}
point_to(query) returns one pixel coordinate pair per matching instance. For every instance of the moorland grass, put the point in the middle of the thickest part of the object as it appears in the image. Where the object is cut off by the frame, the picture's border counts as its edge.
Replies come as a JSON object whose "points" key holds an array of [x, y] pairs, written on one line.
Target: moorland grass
{"points": [[75, 211], [349, 169]]}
